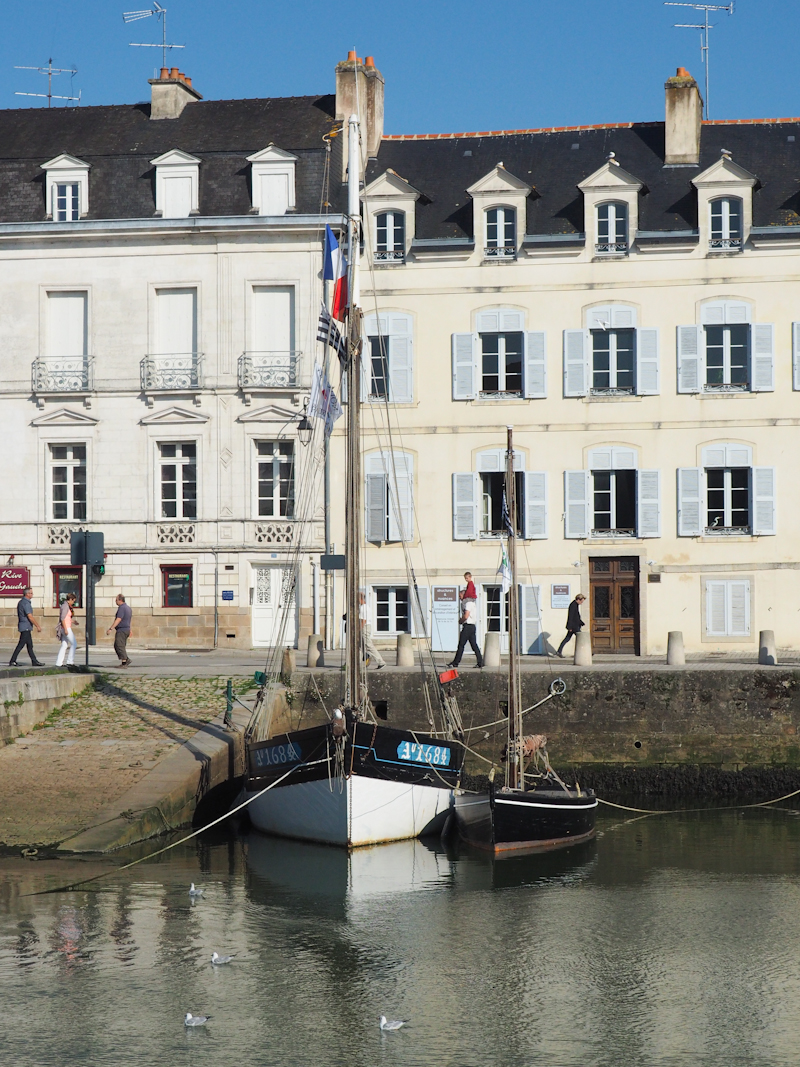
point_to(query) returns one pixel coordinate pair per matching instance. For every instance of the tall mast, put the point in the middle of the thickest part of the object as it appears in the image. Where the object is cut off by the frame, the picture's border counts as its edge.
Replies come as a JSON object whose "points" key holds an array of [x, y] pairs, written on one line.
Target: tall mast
{"points": [[515, 774], [354, 664]]}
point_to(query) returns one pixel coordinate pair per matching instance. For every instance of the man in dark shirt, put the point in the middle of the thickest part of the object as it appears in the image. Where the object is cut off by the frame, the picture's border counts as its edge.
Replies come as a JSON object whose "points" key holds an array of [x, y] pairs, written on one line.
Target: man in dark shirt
{"points": [[122, 630], [25, 625], [574, 622]]}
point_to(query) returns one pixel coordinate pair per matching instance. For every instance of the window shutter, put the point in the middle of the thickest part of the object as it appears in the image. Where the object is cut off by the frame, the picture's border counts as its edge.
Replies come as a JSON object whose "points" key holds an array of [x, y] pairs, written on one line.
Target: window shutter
{"points": [[466, 494], [648, 503], [736, 456], [690, 501], [601, 459], [622, 317], [530, 630], [763, 499], [647, 378], [535, 527], [623, 459], [420, 626], [274, 194], [66, 324], [763, 358], [177, 198], [738, 608], [796, 355], [375, 499], [576, 370], [401, 508], [576, 504], [716, 613], [465, 365], [535, 365], [401, 390], [690, 358]]}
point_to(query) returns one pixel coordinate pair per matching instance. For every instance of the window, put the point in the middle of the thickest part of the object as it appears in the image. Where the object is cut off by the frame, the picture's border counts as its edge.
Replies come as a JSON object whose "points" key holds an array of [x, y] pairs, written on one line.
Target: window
{"points": [[478, 499], [501, 233], [612, 228], [493, 484], [726, 351], [275, 461], [611, 356], [496, 609], [500, 359], [176, 322], [390, 237], [726, 224], [728, 608], [728, 500], [391, 609], [68, 482], [613, 361], [176, 584], [388, 366], [67, 324], [66, 187], [67, 580], [614, 502], [178, 480], [501, 363], [727, 357], [379, 369], [177, 184], [612, 498], [272, 181], [727, 495], [388, 497], [66, 202]]}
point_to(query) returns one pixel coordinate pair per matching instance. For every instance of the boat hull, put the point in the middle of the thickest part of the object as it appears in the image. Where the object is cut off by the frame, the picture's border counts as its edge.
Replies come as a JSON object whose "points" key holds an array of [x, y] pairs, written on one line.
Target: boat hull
{"points": [[512, 821]]}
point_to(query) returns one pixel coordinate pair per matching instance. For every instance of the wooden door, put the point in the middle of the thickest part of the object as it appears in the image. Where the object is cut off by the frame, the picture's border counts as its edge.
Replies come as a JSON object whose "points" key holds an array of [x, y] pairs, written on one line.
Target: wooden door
{"points": [[615, 604]]}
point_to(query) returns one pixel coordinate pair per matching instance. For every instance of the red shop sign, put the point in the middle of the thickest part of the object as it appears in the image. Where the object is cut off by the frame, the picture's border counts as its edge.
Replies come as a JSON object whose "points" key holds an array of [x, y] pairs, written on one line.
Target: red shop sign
{"points": [[14, 580]]}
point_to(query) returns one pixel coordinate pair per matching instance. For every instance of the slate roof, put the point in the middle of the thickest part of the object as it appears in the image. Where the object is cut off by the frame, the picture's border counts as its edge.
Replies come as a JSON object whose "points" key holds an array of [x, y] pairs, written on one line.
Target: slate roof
{"points": [[120, 140], [442, 170]]}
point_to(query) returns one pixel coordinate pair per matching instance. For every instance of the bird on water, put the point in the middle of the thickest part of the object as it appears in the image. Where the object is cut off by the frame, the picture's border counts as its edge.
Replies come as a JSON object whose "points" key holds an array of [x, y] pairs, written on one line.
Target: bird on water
{"points": [[194, 892], [195, 1020], [391, 1024], [218, 960]]}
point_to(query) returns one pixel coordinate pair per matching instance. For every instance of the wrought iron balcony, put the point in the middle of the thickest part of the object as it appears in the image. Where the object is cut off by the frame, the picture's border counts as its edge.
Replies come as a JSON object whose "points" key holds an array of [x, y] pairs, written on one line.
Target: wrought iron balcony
{"points": [[500, 252], [385, 256], [172, 372], [63, 374], [269, 370], [725, 244], [611, 248]]}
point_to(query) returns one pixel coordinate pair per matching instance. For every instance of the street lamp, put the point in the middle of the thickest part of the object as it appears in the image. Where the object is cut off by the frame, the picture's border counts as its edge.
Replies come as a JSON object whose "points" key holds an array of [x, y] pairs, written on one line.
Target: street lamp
{"points": [[305, 429]]}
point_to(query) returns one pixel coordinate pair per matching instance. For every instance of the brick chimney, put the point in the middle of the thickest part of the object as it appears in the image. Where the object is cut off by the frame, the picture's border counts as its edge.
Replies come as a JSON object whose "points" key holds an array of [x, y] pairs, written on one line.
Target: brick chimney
{"points": [[359, 91], [684, 120], [170, 93]]}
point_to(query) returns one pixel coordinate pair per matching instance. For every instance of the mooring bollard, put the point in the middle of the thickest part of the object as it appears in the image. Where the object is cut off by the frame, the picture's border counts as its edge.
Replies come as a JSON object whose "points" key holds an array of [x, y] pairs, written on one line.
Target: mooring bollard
{"points": [[405, 650], [491, 650], [288, 665], [766, 648], [315, 655], [676, 657], [583, 650]]}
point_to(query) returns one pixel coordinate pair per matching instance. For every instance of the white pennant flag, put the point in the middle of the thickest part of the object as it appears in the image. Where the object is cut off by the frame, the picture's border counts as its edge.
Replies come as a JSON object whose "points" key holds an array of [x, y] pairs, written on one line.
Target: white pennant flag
{"points": [[323, 403], [504, 573]]}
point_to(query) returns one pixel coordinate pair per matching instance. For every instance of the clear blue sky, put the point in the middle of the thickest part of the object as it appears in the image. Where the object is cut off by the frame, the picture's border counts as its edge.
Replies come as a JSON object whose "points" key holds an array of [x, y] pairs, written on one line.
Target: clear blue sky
{"points": [[450, 65]]}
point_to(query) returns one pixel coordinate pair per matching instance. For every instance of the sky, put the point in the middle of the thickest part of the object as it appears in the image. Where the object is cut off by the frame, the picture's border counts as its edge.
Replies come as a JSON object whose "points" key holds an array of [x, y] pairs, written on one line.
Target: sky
{"points": [[450, 65]]}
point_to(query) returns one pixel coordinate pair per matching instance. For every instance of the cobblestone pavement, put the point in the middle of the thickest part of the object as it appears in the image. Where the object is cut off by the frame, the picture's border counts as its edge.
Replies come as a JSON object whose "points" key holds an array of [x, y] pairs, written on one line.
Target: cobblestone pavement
{"points": [[54, 780]]}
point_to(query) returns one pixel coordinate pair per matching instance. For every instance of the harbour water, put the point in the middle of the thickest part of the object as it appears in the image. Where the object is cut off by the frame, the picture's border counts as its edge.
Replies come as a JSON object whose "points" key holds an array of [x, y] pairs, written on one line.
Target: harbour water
{"points": [[667, 941]]}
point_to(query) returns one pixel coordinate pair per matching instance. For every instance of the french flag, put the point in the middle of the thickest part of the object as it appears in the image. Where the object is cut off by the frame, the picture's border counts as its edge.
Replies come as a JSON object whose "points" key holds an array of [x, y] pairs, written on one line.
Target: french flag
{"points": [[335, 270]]}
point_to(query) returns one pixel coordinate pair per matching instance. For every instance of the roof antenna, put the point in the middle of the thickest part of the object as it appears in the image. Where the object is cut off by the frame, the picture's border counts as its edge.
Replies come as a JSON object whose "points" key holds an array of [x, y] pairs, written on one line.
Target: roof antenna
{"points": [[50, 70], [160, 13], [703, 27]]}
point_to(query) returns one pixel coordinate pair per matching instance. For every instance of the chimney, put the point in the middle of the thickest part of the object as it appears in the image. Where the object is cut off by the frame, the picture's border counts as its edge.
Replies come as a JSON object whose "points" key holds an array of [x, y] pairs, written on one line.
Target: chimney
{"points": [[374, 106], [684, 120], [170, 93], [359, 91]]}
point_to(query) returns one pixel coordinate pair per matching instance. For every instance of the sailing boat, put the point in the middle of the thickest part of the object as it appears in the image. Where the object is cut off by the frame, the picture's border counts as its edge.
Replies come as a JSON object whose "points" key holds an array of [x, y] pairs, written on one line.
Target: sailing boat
{"points": [[547, 814], [353, 780]]}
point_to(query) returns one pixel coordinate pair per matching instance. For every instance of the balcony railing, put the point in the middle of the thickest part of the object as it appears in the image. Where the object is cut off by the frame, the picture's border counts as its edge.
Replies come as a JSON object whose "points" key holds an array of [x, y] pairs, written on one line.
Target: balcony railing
{"points": [[172, 372], [385, 256], [64, 374], [620, 533], [611, 248], [725, 244], [269, 370], [500, 252]]}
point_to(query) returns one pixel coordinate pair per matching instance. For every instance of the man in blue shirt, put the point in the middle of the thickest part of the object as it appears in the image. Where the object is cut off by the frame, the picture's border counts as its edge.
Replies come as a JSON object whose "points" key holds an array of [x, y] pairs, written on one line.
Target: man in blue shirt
{"points": [[25, 625]]}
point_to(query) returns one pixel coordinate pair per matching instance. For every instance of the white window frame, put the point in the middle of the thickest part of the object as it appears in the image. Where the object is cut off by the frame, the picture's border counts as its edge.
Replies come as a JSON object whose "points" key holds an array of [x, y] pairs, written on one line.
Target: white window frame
{"points": [[612, 388], [726, 359], [278, 461], [66, 170], [392, 601], [579, 490], [389, 505], [729, 591], [495, 248], [176, 164], [396, 332], [617, 219], [179, 462], [468, 498], [393, 248], [691, 349], [501, 390], [72, 195], [271, 160], [725, 239], [727, 505], [71, 464]]}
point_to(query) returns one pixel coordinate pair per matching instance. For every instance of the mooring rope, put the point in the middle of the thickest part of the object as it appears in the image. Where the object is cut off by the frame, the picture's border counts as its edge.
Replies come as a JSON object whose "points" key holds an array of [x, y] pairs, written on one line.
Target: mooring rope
{"points": [[682, 811]]}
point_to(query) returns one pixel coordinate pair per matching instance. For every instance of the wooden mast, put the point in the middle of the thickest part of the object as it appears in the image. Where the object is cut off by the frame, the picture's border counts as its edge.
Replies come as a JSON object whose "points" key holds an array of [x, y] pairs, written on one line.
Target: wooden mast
{"points": [[515, 774]]}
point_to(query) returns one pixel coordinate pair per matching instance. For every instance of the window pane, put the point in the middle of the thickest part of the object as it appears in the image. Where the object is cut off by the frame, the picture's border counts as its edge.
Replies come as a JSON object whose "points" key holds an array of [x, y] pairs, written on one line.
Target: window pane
{"points": [[740, 496], [382, 610], [621, 229], [380, 368], [715, 481], [66, 581], [58, 451], [602, 602], [490, 343], [399, 239], [492, 608], [739, 337], [381, 237], [491, 228], [513, 347], [510, 235], [401, 609], [627, 602], [715, 355], [177, 587], [189, 450], [602, 224], [602, 500], [169, 451], [626, 500], [716, 219], [624, 341], [735, 219], [601, 359], [265, 490]]}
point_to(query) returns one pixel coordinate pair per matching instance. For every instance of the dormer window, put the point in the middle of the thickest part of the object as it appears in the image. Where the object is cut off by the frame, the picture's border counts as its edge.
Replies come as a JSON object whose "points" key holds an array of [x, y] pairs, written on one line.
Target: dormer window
{"points": [[726, 223], [67, 188], [612, 229], [390, 237], [501, 233], [272, 181], [66, 207], [177, 184]]}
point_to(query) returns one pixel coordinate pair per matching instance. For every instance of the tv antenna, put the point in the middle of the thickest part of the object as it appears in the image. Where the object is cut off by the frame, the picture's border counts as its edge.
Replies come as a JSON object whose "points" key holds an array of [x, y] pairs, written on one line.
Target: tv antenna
{"points": [[703, 27], [160, 13], [50, 70]]}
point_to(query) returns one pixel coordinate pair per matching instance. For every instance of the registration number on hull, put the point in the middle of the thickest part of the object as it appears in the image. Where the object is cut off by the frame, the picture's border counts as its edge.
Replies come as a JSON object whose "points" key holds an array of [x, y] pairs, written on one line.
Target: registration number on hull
{"points": [[276, 755], [435, 755]]}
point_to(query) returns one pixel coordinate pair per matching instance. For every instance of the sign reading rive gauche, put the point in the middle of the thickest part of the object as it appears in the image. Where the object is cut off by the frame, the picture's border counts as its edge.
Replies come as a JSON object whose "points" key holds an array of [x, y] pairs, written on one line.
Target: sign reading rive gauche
{"points": [[14, 580], [434, 754]]}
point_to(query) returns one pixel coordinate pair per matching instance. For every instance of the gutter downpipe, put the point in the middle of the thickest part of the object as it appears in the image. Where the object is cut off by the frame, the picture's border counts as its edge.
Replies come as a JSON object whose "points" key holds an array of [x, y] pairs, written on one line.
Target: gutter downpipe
{"points": [[216, 596]]}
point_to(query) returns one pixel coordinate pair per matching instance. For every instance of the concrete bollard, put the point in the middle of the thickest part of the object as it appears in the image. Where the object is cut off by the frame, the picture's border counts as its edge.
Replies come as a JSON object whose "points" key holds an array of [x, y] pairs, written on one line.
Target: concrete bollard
{"points": [[583, 650], [405, 650], [288, 665], [766, 648], [491, 650], [676, 657], [315, 654]]}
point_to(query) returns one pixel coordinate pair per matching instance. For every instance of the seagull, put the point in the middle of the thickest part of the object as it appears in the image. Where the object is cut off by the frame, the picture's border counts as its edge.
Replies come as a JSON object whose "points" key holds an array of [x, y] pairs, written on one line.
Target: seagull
{"points": [[390, 1024], [195, 1020], [216, 959], [195, 892]]}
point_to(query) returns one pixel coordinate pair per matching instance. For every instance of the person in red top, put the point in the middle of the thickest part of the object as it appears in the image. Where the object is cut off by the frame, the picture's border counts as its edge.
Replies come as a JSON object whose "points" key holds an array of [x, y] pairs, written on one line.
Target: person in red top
{"points": [[469, 593]]}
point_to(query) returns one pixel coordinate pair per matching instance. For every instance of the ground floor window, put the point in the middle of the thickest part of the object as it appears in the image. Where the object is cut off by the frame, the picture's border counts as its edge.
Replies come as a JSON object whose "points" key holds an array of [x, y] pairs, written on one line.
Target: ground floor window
{"points": [[177, 587], [496, 609], [728, 608], [67, 580], [391, 609]]}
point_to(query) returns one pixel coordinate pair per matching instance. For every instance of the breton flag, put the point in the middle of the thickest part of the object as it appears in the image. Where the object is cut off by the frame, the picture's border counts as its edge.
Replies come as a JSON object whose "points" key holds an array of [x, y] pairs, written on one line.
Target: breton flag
{"points": [[504, 572], [328, 333], [335, 270], [506, 518], [323, 403]]}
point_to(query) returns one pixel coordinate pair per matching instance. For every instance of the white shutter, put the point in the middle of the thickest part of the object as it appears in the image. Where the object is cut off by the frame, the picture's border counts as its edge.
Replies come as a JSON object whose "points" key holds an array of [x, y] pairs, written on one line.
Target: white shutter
{"points": [[530, 630], [274, 194], [763, 358], [690, 359], [466, 495], [66, 324], [716, 609], [623, 459], [622, 316], [738, 608], [763, 499], [176, 321], [420, 625], [273, 318], [401, 389], [690, 501], [647, 376], [600, 459], [736, 456], [535, 502], [465, 365], [401, 508], [536, 364], [796, 355], [375, 499], [576, 504], [576, 362], [177, 197], [648, 503]]}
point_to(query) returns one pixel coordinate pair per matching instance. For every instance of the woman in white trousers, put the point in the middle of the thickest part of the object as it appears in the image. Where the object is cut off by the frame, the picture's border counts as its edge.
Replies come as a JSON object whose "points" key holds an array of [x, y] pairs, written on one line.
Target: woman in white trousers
{"points": [[68, 642]]}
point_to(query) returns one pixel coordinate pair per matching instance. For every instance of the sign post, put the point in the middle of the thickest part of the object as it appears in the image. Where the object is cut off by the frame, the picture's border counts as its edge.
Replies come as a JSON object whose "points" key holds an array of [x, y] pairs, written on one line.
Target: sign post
{"points": [[87, 551]]}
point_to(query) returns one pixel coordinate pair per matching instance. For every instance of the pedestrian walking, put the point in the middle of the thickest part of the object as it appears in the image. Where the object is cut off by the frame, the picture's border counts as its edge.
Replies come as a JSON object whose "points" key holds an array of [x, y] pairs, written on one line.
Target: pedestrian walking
{"points": [[121, 627], [65, 632], [25, 625], [468, 593], [574, 622], [367, 643], [468, 632]]}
